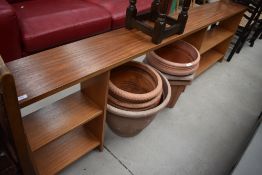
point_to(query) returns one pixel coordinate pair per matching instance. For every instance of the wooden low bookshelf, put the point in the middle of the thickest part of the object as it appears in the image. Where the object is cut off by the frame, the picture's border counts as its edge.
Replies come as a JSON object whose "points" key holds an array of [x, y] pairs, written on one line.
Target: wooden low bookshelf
{"points": [[208, 59], [213, 37], [53, 137]]}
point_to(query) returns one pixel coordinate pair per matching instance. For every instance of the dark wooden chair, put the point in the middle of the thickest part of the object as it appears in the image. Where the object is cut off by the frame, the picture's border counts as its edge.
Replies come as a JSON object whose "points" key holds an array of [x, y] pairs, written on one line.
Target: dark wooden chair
{"points": [[7, 162], [257, 33], [243, 31]]}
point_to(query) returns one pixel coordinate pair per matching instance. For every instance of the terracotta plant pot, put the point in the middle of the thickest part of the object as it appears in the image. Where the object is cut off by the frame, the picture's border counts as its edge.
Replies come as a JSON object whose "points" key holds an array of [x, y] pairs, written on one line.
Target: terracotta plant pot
{"points": [[118, 103], [175, 77], [130, 123], [135, 82], [179, 58], [177, 71], [179, 78]]}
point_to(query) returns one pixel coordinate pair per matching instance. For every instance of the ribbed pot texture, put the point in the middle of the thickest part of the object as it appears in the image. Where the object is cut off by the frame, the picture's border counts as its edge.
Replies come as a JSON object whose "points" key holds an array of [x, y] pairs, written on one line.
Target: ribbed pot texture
{"points": [[175, 77], [134, 82], [179, 58], [179, 78], [130, 123], [129, 106]]}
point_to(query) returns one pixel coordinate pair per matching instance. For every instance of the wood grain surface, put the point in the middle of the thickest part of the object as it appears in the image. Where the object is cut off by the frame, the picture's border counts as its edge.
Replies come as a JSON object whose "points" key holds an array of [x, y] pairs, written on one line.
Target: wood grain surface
{"points": [[213, 38], [13, 120], [55, 120], [208, 59], [55, 156], [48, 72], [196, 38], [96, 89]]}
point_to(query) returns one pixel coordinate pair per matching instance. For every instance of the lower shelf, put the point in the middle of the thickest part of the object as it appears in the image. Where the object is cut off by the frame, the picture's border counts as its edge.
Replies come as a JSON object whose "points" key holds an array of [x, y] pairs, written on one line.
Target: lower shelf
{"points": [[208, 59], [59, 118], [55, 156], [214, 37]]}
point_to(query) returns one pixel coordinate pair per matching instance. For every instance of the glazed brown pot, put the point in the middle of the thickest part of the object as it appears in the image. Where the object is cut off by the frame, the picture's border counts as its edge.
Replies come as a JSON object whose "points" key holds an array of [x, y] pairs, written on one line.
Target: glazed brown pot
{"points": [[179, 58], [130, 123], [135, 82]]}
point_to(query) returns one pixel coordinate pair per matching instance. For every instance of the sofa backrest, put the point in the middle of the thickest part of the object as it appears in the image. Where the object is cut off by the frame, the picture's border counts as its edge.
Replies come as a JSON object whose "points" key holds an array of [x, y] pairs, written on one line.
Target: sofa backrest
{"points": [[14, 1]]}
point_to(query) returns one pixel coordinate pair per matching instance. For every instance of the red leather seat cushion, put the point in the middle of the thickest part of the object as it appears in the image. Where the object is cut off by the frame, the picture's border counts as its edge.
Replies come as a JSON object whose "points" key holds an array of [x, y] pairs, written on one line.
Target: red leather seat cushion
{"points": [[48, 23], [117, 8], [9, 33]]}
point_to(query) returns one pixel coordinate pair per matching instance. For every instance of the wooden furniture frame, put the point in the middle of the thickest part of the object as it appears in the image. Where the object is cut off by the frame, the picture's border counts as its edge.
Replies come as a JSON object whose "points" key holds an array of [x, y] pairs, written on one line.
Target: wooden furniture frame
{"points": [[164, 25], [254, 10], [51, 138]]}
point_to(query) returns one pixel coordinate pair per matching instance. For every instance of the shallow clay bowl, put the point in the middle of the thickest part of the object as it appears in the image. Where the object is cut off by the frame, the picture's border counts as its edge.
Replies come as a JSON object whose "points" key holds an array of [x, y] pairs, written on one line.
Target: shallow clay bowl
{"points": [[135, 82], [177, 71], [178, 58], [175, 77]]}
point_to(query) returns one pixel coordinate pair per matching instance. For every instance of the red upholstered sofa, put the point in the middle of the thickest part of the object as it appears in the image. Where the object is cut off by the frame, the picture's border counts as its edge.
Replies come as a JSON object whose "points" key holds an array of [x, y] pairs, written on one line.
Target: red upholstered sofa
{"points": [[30, 26]]}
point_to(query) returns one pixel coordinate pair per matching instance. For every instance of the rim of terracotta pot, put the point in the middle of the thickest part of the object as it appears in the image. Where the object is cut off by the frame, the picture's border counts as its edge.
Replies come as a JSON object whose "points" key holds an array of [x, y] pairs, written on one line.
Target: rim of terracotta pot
{"points": [[194, 62], [141, 114], [139, 97], [173, 77], [171, 70], [134, 106], [158, 62], [180, 78]]}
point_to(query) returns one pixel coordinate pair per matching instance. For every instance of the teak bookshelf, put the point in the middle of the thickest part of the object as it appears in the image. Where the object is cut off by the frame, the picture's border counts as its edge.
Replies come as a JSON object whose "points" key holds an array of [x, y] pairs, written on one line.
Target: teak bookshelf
{"points": [[53, 137]]}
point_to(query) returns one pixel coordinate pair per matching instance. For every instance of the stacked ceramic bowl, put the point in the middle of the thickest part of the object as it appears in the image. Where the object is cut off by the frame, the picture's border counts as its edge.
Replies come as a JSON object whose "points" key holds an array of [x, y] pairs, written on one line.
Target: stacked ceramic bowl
{"points": [[136, 93], [177, 61]]}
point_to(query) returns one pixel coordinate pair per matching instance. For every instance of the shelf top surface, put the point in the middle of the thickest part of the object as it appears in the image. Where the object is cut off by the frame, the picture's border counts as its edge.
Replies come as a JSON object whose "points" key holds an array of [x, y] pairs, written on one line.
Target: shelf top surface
{"points": [[40, 75]]}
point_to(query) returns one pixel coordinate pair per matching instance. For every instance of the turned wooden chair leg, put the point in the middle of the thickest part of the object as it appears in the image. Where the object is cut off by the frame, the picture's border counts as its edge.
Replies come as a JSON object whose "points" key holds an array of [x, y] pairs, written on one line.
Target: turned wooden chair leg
{"points": [[233, 51], [240, 46], [256, 34], [159, 29], [130, 13]]}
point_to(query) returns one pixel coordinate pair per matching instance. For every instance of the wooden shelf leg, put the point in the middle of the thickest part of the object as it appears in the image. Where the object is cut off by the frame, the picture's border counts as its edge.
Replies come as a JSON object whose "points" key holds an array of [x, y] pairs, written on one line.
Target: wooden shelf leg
{"points": [[96, 89], [12, 120]]}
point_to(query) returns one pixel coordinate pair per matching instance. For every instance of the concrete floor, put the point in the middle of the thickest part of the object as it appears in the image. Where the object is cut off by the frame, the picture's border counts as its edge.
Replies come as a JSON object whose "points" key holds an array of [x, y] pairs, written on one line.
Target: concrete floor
{"points": [[202, 135], [251, 160]]}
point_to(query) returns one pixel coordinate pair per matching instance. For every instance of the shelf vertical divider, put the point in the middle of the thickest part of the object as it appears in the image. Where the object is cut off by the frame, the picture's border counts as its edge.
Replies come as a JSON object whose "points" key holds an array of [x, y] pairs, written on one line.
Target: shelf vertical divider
{"points": [[96, 89], [196, 39], [223, 47], [231, 24]]}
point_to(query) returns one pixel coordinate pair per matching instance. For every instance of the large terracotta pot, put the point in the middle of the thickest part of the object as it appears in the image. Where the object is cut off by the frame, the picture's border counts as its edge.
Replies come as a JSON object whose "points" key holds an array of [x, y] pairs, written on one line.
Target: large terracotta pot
{"points": [[179, 58], [129, 106], [135, 82], [130, 123]]}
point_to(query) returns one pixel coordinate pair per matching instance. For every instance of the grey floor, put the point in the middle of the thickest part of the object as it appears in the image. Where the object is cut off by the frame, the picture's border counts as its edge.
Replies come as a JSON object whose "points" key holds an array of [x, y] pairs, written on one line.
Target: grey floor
{"points": [[202, 135], [251, 161]]}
